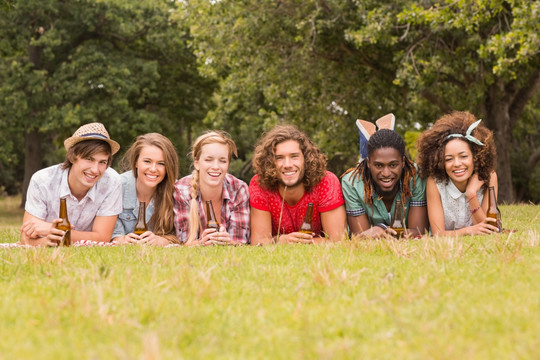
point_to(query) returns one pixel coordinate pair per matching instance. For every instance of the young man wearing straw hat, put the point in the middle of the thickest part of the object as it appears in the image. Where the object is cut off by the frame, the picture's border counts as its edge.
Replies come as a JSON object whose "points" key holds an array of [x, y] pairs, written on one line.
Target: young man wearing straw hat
{"points": [[93, 191]]}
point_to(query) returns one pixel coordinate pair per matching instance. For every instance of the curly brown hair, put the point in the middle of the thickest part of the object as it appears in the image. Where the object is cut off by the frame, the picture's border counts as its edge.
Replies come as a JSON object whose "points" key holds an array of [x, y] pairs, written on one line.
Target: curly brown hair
{"points": [[264, 157], [432, 142]]}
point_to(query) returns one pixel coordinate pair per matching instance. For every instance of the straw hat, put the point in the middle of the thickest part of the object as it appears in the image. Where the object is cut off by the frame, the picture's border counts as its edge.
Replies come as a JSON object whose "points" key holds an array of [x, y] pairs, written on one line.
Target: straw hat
{"points": [[92, 131]]}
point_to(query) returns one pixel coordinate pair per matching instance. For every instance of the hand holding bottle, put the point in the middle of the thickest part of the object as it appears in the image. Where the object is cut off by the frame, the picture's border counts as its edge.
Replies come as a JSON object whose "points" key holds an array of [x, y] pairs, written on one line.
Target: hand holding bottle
{"points": [[220, 237], [296, 238], [55, 237]]}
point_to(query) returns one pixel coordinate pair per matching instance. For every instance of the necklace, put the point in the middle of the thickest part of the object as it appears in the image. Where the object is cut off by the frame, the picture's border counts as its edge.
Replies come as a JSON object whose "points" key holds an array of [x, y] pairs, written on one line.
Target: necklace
{"points": [[293, 221]]}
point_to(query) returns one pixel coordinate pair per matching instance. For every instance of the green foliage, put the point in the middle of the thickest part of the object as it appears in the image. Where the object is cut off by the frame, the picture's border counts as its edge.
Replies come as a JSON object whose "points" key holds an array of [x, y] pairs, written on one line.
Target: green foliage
{"points": [[243, 66], [323, 64], [125, 64], [534, 185], [526, 142], [410, 143], [467, 297]]}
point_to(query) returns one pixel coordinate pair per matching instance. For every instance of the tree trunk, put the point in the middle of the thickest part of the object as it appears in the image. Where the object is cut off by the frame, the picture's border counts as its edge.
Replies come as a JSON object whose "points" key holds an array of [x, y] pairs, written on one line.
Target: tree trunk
{"points": [[32, 159], [33, 156], [498, 120]]}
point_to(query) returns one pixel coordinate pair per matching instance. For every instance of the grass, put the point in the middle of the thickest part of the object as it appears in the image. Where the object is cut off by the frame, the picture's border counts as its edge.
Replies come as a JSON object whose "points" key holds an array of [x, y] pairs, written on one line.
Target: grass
{"points": [[444, 298]]}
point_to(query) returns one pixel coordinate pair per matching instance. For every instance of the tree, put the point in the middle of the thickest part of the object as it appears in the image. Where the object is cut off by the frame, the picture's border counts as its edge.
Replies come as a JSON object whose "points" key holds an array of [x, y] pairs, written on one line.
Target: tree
{"points": [[287, 61], [324, 63], [480, 56], [66, 63]]}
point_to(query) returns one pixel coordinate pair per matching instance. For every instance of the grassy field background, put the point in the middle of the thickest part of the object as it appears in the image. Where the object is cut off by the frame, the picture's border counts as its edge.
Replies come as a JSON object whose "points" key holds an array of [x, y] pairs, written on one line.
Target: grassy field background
{"points": [[444, 298]]}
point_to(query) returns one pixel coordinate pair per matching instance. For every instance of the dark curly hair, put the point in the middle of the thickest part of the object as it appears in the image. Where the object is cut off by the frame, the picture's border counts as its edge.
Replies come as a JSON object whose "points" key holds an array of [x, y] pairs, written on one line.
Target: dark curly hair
{"points": [[384, 138], [264, 157], [432, 142]]}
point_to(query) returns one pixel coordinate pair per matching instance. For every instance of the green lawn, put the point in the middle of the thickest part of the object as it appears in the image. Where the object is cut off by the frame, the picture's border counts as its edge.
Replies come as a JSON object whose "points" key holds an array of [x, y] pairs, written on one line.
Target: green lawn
{"points": [[443, 298]]}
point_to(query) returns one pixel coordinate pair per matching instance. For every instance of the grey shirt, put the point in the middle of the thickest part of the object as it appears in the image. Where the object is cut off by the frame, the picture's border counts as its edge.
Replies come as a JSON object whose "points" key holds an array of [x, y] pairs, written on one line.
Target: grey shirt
{"points": [[455, 205]]}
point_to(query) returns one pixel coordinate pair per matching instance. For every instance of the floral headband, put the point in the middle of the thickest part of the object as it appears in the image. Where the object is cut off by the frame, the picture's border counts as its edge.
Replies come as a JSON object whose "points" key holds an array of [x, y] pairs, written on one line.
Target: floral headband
{"points": [[468, 135]]}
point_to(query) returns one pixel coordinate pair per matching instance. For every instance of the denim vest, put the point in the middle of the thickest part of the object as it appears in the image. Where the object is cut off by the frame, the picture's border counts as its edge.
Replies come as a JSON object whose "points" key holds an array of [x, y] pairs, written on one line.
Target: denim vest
{"points": [[130, 206]]}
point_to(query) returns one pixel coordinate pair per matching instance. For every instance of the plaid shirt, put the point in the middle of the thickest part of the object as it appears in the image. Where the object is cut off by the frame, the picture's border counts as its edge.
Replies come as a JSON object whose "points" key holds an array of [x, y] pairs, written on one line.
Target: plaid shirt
{"points": [[234, 208]]}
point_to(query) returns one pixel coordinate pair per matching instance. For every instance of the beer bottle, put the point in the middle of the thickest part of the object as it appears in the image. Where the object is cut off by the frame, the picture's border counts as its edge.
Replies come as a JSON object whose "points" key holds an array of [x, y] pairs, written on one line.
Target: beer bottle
{"points": [[64, 224], [307, 224], [398, 224], [211, 221], [140, 225], [493, 210]]}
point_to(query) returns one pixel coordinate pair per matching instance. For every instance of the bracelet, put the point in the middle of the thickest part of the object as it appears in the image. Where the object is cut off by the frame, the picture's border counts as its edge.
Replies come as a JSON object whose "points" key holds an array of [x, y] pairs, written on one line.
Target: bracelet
{"points": [[472, 197], [382, 226], [475, 210]]}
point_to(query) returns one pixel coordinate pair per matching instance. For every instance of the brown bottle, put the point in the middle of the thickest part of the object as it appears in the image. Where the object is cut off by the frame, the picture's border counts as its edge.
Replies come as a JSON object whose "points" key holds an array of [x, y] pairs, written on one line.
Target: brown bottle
{"points": [[493, 211], [307, 223], [64, 225], [398, 223], [211, 221], [140, 225]]}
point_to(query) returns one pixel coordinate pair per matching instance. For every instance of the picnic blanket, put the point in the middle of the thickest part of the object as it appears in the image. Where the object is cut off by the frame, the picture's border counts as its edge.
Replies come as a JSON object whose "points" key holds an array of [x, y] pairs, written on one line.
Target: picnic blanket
{"points": [[80, 243]]}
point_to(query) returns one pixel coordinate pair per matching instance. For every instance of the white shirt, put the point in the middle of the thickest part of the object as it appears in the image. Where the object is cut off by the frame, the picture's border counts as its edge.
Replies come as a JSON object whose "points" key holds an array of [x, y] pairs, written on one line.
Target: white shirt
{"points": [[48, 185], [457, 214]]}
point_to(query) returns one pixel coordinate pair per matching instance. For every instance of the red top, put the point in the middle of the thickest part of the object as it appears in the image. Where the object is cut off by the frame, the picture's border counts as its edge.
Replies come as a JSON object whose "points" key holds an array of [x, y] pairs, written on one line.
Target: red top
{"points": [[325, 196]]}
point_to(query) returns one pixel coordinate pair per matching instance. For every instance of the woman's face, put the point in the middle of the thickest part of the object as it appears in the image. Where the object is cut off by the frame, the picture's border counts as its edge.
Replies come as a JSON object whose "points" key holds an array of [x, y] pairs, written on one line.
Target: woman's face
{"points": [[150, 166], [212, 164], [458, 162]]}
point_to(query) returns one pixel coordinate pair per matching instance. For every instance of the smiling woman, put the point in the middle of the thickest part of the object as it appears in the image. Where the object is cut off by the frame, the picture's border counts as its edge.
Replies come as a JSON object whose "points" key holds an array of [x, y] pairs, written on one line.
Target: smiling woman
{"points": [[212, 153], [458, 156], [154, 167]]}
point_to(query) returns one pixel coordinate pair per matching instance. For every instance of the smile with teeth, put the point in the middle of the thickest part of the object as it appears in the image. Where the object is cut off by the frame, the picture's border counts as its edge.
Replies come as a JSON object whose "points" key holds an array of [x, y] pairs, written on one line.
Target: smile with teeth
{"points": [[214, 174], [387, 181], [289, 173], [151, 177], [459, 172], [92, 177]]}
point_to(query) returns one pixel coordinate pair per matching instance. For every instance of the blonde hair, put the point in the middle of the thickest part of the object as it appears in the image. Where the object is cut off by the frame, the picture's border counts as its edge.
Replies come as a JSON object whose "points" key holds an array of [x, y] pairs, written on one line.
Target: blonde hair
{"points": [[162, 221], [209, 137]]}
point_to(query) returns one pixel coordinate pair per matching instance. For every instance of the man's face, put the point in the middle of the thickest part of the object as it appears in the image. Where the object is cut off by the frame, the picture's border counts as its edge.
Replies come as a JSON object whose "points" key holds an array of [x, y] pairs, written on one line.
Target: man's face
{"points": [[289, 162], [85, 172], [385, 166]]}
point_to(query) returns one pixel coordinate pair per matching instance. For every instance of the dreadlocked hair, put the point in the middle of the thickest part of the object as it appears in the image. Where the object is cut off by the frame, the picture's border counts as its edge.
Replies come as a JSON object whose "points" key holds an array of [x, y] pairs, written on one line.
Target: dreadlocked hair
{"points": [[384, 138]]}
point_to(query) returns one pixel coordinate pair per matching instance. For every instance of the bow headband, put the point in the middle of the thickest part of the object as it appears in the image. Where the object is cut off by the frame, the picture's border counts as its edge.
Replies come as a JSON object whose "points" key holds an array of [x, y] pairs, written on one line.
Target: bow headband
{"points": [[468, 135]]}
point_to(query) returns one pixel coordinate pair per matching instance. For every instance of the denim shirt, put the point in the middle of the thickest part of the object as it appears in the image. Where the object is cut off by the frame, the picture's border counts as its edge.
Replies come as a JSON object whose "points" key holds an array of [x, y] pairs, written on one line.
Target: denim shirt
{"points": [[130, 206]]}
